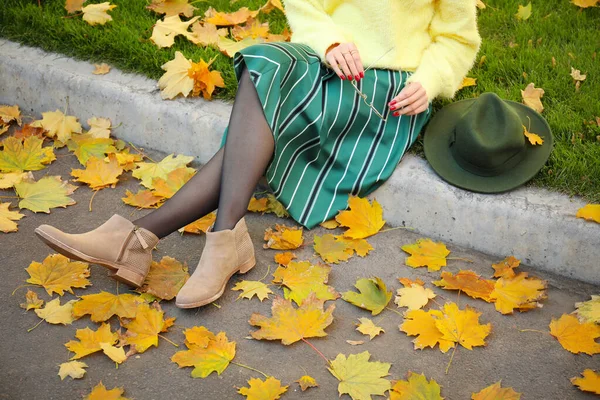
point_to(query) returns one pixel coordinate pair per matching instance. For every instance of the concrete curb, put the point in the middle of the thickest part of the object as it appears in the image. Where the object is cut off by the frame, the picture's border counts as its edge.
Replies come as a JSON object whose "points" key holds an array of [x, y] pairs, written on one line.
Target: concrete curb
{"points": [[537, 226]]}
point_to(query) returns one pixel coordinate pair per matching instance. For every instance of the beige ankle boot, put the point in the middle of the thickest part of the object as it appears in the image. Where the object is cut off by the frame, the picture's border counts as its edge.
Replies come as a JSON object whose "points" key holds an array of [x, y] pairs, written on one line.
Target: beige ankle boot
{"points": [[117, 244], [225, 253]]}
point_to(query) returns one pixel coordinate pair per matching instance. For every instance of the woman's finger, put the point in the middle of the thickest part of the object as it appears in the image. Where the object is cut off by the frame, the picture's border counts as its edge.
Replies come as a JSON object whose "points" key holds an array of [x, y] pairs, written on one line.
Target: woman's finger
{"points": [[351, 65], [413, 108], [357, 60], [412, 94], [419, 108], [342, 64], [334, 65]]}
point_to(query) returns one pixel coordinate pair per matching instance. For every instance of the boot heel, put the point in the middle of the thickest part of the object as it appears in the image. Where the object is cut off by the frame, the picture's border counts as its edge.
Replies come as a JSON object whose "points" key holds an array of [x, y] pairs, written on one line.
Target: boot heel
{"points": [[247, 266], [128, 277]]}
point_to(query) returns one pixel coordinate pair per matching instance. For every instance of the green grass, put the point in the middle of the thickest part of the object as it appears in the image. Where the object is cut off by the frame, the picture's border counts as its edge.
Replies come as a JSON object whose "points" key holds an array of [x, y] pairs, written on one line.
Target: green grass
{"points": [[568, 34]]}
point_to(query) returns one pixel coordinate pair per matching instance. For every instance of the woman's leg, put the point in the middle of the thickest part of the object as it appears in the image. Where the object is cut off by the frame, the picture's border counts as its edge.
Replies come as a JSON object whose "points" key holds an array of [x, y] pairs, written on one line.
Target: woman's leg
{"points": [[228, 180]]}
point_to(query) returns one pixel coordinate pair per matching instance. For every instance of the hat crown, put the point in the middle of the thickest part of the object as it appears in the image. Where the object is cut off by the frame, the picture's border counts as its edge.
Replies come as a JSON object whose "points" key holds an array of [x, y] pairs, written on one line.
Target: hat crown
{"points": [[488, 138]]}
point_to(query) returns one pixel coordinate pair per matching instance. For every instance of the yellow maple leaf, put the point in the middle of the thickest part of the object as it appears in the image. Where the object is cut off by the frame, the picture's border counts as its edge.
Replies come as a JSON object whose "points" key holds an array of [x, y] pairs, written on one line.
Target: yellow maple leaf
{"points": [[57, 274], [496, 392], [589, 311], [413, 296], [144, 198], [10, 113], [467, 82], [585, 3], [269, 389], [240, 16], [85, 146], [462, 326], [89, 340], [575, 336], [422, 324], [532, 97], [331, 248], [205, 80], [73, 5], [359, 377], [330, 224], [519, 292], [373, 295], [165, 31], [426, 253], [230, 47], [176, 80], [8, 217], [101, 393], [98, 173], [284, 237], [364, 219], [206, 352], [360, 246], [26, 155], [416, 387], [172, 7], [165, 278], [10, 179], [307, 381], [589, 383], [258, 205], [99, 127], [101, 69], [201, 225], [142, 331], [207, 34], [97, 14], [47, 193], [252, 288], [590, 212], [284, 258], [302, 278], [270, 5], [126, 159], [253, 28], [146, 172], [74, 369], [32, 301], [505, 268], [101, 306], [54, 313], [533, 138], [175, 180], [367, 327], [58, 125], [290, 324], [117, 354], [469, 282], [524, 12]]}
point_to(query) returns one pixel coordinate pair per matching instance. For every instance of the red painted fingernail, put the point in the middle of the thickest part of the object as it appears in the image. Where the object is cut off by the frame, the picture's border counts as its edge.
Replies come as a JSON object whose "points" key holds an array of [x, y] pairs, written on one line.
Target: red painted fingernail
{"points": [[357, 77], [343, 77], [349, 77], [362, 74], [396, 113]]}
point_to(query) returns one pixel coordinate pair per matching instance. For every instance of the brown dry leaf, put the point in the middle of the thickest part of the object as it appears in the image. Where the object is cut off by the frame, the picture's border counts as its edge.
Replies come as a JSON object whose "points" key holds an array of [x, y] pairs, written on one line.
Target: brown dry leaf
{"points": [[258, 205], [575, 336], [89, 340], [230, 47], [99, 174], [201, 225], [172, 7], [206, 352], [165, 31], [144, 198], [54, 313], [307, 381], [101, 393], [27, 130], [585, 3], [47, 193], [591, 212], [101, 306], [469, 282], [205, 80], [142, 332], [505, 268], [302, 278], [252, 288], [367, 327], [284, 237], [240, 16], [74, 5], [330, 224], [10, 113], [165, 278], [26, 155], [426, 253], [589, 383], [8, 217], [423, 325], [284, 258], [57, 274], [355, 342], [467, 82], [97, 14], [74, 369], [166, 188], [496, 392], [364, 219], [416, 387], [269, 389], [331, 248], [253, 29], [518, 292], [290, 324], [32, 301], [533, 138], [532, 97], [413, 296], [101, 69]]}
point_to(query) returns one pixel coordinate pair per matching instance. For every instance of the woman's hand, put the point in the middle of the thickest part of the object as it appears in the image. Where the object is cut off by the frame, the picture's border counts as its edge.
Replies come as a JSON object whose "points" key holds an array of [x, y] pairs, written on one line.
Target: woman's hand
{"points": [[345, 61], [411, 100]]}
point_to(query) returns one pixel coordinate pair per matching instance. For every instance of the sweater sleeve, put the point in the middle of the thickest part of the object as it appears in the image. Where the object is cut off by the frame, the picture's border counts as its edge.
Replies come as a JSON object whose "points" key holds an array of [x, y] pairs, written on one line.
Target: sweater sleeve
{"points": [[311, 25], [451, 54]]}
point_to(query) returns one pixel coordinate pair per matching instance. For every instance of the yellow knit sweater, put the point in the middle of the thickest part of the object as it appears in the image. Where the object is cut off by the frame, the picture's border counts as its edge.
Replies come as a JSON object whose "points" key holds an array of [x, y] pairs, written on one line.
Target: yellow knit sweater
{"points": [[436, 39]]}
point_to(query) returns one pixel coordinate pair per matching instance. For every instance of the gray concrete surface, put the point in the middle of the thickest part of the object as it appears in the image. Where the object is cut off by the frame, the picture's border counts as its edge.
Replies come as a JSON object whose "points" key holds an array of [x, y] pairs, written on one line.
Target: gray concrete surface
{"points": [[536, 225], [530, 362]]}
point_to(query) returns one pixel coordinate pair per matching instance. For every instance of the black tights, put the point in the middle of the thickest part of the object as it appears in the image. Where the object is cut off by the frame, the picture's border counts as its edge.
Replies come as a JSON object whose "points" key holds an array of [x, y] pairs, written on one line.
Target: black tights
{"points": [[229, 179]]}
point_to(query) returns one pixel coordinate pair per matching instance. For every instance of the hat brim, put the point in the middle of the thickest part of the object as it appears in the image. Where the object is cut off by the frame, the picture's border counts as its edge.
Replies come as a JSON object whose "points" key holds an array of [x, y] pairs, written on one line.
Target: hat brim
{"points": [[437, 138]]}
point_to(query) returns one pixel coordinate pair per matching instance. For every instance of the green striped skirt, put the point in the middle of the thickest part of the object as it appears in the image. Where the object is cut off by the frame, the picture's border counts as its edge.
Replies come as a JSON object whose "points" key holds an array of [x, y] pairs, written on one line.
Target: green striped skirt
{"points": [[329, 143]]}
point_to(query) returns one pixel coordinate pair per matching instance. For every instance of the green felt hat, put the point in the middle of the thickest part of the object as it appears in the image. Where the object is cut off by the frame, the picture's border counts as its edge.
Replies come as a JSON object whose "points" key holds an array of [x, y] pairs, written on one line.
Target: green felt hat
{"points": [[478, 144]]}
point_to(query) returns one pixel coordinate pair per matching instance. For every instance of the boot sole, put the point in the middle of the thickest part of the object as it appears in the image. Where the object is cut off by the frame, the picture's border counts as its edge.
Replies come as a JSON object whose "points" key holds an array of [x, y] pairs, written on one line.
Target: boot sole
{"points": [[119, 273], [247, 266]]}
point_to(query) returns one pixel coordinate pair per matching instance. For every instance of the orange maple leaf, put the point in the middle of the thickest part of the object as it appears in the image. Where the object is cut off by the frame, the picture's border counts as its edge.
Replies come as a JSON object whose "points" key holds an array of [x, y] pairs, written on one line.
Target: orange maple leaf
{"points": [[364, 219], [99, 174], [426, 253], [165, 278], [505, 268], [575, 336], [57, 274], [284, 238], [469, 282]]}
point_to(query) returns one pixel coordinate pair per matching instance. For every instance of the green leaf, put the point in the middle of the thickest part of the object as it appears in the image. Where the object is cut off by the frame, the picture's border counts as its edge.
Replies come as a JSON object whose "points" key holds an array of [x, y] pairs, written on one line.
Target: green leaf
{"points": [[359, 377], [373, 295], [49, 192]]}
